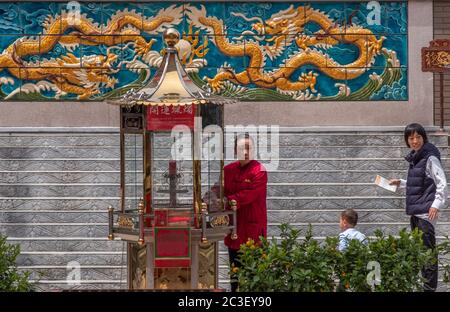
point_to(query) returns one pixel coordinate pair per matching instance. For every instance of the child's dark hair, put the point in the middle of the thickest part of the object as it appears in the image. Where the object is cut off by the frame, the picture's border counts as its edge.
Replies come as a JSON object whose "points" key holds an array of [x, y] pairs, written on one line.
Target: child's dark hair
{"points": [[351, 216], [415, 128]]}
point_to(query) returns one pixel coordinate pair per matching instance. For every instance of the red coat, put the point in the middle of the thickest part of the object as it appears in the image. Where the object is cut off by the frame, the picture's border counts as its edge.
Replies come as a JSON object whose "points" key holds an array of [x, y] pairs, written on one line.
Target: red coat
{"points": [[248, 186]]}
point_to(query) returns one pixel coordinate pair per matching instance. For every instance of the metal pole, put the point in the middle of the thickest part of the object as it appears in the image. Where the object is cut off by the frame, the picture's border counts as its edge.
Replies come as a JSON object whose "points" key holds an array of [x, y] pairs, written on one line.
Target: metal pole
{"points": [[197, 167], [122, 162], [233, 205], [141, 222], [111, 222], [441, 79]]}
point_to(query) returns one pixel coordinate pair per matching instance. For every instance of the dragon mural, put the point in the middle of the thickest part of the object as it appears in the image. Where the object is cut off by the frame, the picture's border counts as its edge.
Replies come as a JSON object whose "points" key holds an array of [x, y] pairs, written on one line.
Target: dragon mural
{"points": [[285, 57], [281, 24], [83, 76]]}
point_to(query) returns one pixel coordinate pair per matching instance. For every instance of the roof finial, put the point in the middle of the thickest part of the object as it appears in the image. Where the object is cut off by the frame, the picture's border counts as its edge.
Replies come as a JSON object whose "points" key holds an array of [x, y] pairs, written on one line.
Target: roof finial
{"points": [[171, 37]]}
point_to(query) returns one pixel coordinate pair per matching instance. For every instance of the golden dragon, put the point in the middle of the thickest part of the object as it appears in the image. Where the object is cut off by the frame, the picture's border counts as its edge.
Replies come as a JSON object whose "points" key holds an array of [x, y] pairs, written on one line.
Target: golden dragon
{"points": [[83, 76], [280, 30]]}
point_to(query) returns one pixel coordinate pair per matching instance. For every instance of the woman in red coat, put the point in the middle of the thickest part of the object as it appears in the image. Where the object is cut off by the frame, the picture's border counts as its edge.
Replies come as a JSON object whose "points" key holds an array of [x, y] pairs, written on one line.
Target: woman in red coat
{"points": [[245, 181]]}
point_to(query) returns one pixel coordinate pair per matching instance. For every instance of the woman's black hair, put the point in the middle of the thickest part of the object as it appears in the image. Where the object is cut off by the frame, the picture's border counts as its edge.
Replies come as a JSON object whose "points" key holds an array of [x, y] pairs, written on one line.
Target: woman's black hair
{"points": [[415, 128]]}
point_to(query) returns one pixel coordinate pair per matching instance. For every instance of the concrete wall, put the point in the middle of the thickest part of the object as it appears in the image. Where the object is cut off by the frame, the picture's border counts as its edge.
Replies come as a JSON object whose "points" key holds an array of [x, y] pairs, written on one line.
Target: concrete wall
{"points": [[441, 20], [419, 108]]}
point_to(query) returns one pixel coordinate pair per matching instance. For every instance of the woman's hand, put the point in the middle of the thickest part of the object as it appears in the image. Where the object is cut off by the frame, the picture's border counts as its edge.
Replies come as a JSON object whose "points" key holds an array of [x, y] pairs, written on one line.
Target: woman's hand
{"points": [[394, 182], [433, 213]]}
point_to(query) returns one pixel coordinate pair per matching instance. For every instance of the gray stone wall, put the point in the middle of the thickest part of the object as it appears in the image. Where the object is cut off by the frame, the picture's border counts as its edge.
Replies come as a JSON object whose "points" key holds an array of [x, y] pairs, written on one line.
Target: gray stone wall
{"points": [[55, 189], [441, 27]]}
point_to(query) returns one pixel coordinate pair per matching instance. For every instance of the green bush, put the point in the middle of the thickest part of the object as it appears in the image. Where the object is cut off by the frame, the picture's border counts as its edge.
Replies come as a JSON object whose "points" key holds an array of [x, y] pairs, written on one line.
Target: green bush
{"points": [[307, 265], [290, 265], [443, 250], [10, 278], [351, 267], [400, 262]]}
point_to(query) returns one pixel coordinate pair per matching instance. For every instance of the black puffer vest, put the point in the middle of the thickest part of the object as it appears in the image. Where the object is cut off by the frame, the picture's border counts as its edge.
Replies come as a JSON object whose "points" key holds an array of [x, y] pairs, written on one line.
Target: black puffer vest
{"points": [[420, 190]]}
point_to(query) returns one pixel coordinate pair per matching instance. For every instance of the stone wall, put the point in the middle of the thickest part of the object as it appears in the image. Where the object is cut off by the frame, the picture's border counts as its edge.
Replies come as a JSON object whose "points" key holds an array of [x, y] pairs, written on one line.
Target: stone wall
{"points": [[441, 27], [56, 188]]}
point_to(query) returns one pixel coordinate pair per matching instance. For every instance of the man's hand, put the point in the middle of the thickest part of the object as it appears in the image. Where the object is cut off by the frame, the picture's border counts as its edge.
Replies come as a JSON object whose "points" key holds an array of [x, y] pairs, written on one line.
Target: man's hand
{"points": [[394, 182], [433, 213]]}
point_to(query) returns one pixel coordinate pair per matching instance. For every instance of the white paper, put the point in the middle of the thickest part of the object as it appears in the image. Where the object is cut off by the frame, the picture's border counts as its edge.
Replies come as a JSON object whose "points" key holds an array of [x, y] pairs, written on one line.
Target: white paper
{"points": [[384, 183]]}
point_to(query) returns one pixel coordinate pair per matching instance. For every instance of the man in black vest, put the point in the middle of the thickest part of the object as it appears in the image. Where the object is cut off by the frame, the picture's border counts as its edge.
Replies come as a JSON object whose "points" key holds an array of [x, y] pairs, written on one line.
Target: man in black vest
{"points": [[426, 192]]}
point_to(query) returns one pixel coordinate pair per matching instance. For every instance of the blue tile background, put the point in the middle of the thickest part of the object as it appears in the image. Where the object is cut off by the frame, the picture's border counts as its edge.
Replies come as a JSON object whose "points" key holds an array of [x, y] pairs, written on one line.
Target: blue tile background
{"points": [[23, 19]]}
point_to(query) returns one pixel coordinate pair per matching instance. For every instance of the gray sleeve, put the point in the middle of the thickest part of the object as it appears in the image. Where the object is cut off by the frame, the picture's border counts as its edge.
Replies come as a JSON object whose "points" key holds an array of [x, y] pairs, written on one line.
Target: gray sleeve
{"points": [[435, 171]]}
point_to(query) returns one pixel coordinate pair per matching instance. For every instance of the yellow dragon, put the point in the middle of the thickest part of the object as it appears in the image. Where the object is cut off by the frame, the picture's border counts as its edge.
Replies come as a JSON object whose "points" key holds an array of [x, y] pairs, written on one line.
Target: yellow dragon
{"points": [[280, 29], [83, 76]]}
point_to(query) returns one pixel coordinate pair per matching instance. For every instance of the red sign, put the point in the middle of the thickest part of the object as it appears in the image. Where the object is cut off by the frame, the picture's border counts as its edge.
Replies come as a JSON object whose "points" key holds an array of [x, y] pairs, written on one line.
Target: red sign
{"points": [[172, 247], [436, 57], [172, 263], [166, 117], [161, 217]]}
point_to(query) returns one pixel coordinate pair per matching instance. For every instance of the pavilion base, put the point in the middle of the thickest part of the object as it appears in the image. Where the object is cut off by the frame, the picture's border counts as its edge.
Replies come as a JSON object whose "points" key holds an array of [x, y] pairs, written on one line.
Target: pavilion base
{"points": [[202, 273]]}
